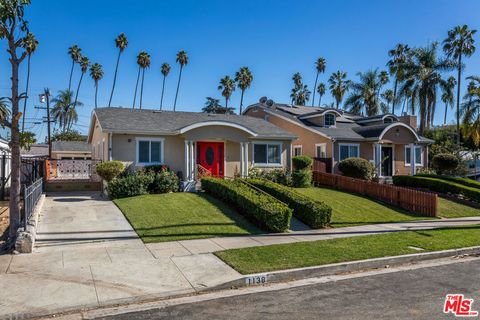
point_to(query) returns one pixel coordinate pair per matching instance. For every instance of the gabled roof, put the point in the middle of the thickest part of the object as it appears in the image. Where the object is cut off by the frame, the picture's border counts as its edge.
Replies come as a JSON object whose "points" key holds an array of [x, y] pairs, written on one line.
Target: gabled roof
{"points": [[147, 121]]}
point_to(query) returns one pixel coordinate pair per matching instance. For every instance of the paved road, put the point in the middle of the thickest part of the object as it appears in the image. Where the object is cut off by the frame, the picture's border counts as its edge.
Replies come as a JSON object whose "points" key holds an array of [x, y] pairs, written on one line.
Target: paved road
{"points": [[413, 294]]}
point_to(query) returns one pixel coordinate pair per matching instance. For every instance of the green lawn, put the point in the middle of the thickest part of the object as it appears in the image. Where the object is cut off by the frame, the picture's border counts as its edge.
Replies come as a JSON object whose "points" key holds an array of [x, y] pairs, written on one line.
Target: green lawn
{"points": [[182, 216], [306, 254], [451, 209], [350, 209]]}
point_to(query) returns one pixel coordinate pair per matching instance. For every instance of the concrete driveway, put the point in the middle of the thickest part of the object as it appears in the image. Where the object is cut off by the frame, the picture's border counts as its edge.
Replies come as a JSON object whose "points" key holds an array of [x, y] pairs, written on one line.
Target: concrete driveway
{"points": [[88, 255]]}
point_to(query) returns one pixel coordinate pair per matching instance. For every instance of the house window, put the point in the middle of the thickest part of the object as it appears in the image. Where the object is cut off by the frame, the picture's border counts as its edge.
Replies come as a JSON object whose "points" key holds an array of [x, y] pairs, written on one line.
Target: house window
{"points": [[320, 150], [348, 151], [267, 153], [297, 151], [329, 119], [418, 156], [388, 120], [149, 151]]}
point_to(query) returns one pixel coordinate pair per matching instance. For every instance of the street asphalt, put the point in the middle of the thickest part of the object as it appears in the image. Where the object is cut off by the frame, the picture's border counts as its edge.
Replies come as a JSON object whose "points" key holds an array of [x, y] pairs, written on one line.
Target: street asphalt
{"points": [[409, 294]]}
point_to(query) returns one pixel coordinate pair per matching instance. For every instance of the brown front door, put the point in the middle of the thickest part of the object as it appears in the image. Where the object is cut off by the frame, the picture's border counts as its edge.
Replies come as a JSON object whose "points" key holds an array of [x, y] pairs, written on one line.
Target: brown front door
{"points": [[210, 156]]}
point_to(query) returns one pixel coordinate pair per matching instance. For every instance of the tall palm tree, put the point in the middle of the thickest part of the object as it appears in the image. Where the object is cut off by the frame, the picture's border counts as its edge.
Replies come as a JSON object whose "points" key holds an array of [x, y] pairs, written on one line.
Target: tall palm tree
{"points": [[459, 43], [84, 64], [30, 43], [470, 109], [143, 59], [365, 93], [64, 109], [165, 71], [300, 93], [144, 63], [243, 78], [75, 54], [121, 42], [321, 92], [227, 86], [96, 73], [399, 57], [320, 65], [338, 86], [388, 96], [448, 95], [182, 59]]}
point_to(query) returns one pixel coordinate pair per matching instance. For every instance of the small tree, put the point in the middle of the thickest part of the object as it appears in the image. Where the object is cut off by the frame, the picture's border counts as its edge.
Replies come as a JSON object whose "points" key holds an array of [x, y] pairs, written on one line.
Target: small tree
{"points": [[357, 168], [109, 170], [302, 173], [445, 163]]}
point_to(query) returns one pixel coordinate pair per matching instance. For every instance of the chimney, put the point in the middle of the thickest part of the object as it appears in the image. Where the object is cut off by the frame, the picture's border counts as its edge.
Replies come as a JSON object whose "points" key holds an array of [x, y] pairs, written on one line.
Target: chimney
{"points": [[409, 119]]}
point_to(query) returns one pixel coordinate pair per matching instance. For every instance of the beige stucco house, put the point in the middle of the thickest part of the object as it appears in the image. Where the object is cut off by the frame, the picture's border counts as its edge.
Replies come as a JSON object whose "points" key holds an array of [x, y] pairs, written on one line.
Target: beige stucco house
{"points": [[188, 142], [332, 135]]}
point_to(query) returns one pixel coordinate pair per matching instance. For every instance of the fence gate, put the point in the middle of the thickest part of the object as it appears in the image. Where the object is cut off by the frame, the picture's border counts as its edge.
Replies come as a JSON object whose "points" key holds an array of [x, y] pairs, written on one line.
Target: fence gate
{"points": [[68, 170]]}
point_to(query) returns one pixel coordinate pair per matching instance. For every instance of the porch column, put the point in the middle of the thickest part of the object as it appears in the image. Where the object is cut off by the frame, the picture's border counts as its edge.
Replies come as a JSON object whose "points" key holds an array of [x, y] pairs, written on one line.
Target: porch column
{"points": [[187, 161], [378, 158], [242, 154], [413, 168], [109, 147], [192, 161], [245, 148]]}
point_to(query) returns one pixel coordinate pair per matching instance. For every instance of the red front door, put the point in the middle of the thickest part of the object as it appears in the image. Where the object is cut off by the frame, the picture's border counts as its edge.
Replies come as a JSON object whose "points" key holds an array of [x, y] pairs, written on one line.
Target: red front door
{"points": [[210, 156]]}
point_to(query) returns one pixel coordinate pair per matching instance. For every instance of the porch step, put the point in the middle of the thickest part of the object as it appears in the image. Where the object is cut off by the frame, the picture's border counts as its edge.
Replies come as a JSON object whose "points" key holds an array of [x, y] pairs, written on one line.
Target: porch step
{"points": [[72, 185]]}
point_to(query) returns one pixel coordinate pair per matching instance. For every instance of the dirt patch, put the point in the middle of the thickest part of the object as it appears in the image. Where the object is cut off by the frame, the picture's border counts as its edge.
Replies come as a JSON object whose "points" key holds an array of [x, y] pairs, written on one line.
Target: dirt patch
{"points": [[4, 223]]}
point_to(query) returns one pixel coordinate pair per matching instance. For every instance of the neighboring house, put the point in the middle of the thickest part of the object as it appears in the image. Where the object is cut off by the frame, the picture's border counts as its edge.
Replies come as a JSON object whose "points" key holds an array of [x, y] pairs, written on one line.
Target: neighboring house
{"points": [[472, 160], [386, 141], [5, 165], [61, 150], [189, 142]]}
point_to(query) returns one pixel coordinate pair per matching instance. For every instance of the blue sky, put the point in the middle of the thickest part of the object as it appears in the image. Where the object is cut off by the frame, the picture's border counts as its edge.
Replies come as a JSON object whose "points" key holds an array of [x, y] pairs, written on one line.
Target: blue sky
{"points": [[273, 38]]}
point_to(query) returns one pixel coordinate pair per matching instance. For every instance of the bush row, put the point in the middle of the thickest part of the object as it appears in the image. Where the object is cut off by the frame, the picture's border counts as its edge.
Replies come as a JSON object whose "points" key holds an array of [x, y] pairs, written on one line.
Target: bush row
{"points": [[315, 214], [464, 181], [438, 185], [264, 210]]}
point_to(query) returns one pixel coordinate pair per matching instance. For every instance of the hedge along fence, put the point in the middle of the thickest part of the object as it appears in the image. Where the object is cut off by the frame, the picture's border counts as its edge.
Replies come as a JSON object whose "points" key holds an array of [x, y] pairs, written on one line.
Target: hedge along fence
{"points": [[463, 181], [260, 207], [438, 185], [419, 202], [315, 214]]}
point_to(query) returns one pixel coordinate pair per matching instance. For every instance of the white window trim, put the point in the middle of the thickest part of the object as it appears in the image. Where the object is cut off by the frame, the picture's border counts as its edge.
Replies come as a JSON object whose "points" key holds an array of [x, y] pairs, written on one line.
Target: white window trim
{"points": [[297, 147], [334, 120], [137, 146], [340, 145], [421, 156], [267, 165], [324, 147]]}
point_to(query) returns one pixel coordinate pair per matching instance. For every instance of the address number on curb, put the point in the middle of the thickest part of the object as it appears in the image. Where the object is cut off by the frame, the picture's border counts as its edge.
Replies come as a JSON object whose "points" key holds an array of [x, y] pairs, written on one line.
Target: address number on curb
{"points": [[256, 280]]}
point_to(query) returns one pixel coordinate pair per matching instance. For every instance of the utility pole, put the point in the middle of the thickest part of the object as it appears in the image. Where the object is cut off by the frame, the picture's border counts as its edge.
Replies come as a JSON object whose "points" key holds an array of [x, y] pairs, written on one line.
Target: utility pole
{"points": [[45, 97]]}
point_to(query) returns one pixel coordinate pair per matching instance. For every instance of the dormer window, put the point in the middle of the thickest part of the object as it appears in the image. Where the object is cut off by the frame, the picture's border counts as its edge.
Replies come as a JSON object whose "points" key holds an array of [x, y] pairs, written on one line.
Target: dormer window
{"points": [[388, 120], [329, 120]]}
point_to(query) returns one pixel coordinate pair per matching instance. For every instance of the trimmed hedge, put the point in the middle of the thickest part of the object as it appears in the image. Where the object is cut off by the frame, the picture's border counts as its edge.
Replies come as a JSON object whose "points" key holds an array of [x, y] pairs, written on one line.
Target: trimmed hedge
{"points": [[302, 162], [358, 168], [315, 214], [109, 170], [302, 178], [464, 181], [438, 185], [264, 210], [445, 162]]}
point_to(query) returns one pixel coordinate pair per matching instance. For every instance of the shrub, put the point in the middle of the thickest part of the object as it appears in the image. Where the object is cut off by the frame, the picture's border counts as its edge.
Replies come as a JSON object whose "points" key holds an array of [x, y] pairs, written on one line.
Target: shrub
{"points": [[156, 168], [164, 181], [315, 214], [302, 162], [445, 162], [357, 168], [302, 178], [275, 175], [463, 181], [264, 210], [132, 185], [109, 170], [438, 185]]}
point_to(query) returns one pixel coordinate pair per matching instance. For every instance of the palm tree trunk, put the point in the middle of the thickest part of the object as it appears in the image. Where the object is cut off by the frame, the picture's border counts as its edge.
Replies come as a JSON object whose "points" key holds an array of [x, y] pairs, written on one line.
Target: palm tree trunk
{"points": [[394, 95], [315, 89], [71, 75], [26, 93], [114, 79], [163, 89], [320, 101], [96, 93], [458, 97], [226, 102], [178, 86], [141, 88], [78, 90], [445, 117], [241, 101], [136, 87]]}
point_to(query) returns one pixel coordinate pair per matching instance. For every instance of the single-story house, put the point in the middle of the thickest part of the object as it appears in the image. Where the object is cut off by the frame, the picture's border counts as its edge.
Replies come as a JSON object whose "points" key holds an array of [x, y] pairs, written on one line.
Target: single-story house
{"points": [[61, 150], [190, 143], [330, 134]]}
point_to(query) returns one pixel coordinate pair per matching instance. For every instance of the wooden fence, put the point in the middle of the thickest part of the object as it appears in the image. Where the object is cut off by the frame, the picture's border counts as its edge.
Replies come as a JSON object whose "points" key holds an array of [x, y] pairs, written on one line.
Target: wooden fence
{"points": [[419, 202], [322, 165]]}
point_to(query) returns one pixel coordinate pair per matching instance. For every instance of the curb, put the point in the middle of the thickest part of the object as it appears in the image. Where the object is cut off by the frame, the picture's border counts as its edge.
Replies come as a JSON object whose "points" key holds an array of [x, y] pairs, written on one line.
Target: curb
{"points": [[339, 268]]}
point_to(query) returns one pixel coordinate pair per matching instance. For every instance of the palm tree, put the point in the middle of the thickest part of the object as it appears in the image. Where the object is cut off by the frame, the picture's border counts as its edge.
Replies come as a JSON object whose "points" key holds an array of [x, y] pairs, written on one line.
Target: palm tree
{"points": [[165, 71], [459, 43], [121, 42], [213, 106], [448, 95], [227, 86], [365, 95], [96, 73], [243, 78], [143, 61], [388, 96], [64, 110], [399, 58], [470, 109], [4, 112], [30, 43], [320, 65], [84, 64], [338, 86], [182, 59], [75, 53], [321, 92], [300, 93]]}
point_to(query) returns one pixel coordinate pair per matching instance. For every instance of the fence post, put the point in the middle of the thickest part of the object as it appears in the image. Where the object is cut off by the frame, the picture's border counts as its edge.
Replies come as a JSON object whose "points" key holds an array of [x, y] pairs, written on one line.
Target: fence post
{"points": [[4, 180]]}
